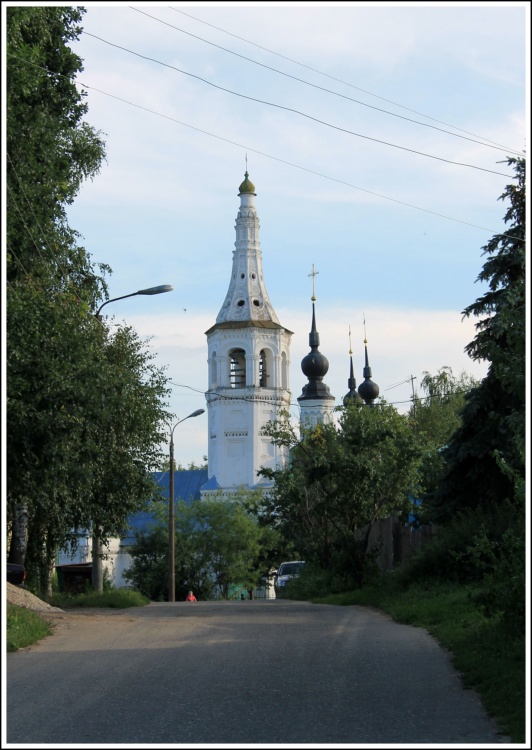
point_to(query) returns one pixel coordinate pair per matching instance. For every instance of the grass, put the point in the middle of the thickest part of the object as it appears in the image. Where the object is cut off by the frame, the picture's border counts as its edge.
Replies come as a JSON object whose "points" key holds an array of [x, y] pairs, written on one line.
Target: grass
{"points": [[488, 657], [24, 627], [115, 598]]}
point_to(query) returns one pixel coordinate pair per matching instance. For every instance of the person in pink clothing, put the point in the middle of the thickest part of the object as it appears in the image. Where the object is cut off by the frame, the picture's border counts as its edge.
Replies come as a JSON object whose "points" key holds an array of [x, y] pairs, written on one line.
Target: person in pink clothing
{"points": [[191, 597]]}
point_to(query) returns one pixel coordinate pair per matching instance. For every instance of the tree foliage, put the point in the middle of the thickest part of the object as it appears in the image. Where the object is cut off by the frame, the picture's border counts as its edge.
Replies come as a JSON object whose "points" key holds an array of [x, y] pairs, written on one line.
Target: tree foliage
{"points": [[219, 544], [340, 480], [435, 416], [85, 405], [486, 455], [50, 149]]}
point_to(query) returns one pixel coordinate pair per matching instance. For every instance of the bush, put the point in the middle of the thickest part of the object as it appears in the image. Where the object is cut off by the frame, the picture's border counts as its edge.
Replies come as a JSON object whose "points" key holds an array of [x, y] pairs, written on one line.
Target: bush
{"points": [[314, 581], [502, 567], [117, 598], [443, 558]]}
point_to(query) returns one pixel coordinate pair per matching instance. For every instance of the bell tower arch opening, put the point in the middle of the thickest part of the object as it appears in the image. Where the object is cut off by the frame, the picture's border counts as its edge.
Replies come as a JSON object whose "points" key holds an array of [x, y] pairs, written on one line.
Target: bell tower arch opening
{"points": [[266, 370], [237, 368]]}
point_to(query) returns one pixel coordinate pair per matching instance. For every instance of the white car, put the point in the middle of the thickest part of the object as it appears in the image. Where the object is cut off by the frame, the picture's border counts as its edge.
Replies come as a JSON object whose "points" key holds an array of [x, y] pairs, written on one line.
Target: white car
{"points": [[287, 570]]}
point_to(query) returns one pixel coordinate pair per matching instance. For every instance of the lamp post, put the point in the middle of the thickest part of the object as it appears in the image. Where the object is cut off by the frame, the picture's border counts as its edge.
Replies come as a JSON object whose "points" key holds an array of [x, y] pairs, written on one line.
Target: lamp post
{"points": [[97, 567], [152, 290], [171, 512]]}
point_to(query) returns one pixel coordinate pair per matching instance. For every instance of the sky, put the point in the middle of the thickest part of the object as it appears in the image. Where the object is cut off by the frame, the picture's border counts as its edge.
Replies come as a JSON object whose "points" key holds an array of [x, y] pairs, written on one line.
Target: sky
{"points": [[376, 136]]}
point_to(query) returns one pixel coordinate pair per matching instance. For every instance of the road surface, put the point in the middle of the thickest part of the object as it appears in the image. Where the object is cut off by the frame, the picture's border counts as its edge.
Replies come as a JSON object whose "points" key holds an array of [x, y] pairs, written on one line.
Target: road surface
{"points": [[250, 672]]}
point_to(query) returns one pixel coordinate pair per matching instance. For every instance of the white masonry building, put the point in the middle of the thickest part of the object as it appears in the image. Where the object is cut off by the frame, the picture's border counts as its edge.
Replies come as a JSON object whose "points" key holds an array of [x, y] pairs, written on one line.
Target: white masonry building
{"points": [[248, 366]]}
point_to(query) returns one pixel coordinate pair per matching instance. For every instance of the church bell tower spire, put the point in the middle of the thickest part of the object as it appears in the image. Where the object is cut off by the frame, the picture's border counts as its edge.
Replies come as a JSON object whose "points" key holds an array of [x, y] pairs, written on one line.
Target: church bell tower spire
{"points": [[248, 365]]}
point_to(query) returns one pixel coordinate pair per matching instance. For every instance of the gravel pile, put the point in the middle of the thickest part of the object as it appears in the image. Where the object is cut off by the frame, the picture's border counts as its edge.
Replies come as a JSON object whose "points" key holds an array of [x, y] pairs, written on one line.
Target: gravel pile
{"points": [[23, 598]]}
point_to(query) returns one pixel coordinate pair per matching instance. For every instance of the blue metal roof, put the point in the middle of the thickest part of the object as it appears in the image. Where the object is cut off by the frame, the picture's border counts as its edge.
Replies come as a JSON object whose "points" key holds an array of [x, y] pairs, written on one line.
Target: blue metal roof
{"points": [[187, 484], [212, 484], [187, 487]]}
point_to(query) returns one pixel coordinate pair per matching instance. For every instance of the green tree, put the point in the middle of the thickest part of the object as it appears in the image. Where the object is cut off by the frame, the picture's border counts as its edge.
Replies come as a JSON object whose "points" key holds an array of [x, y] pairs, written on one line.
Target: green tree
{"points": [[486, 455], [218, 543], [148, 572], [51, 284], [84, 406], [228, 540], [339, 482], [435, 417], [50, 149]]}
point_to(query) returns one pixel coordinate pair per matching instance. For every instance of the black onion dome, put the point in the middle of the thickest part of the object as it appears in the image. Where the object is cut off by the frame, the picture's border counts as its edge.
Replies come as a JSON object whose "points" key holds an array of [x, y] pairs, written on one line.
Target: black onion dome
{"points": [[368, 390], [352, 396], [315, 366]]}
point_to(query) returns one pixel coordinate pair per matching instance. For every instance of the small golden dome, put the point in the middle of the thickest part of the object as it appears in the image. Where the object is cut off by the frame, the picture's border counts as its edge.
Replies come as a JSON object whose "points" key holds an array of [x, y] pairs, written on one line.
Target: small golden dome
{"points": [[247, 186]]}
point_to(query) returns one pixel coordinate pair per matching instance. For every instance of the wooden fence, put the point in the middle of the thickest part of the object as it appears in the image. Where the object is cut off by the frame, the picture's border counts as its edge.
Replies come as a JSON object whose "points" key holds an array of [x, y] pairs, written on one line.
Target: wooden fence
{"points": [[397, 541]]}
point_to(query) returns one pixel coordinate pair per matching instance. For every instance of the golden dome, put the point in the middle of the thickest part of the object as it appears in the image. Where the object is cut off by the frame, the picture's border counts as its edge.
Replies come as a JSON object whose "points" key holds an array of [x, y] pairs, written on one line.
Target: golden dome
{"points": [[247, 186]]}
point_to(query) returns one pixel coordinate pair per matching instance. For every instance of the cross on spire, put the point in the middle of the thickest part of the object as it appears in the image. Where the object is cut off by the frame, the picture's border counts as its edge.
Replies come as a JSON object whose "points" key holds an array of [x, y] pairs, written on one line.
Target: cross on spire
{"points": [[364, 320], [313, 274], [350, 347]]}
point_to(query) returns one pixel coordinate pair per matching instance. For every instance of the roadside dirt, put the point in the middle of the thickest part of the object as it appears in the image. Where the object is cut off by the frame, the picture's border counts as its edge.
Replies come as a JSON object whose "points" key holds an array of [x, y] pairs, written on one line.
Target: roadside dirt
{"points": [[58, 618], [23, 598]]}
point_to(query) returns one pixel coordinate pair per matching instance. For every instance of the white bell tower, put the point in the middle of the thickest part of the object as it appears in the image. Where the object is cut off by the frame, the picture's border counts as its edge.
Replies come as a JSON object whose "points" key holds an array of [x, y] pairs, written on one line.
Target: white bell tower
{"points": [[249, 361]]}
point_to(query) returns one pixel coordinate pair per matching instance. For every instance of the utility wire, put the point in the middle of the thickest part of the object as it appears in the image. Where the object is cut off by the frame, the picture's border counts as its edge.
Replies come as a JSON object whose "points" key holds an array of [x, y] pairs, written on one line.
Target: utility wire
{"points": [[296, 111], [292, 403], [334, 93], [29, 232], [19, 262], [283, 161], [339, 80]]}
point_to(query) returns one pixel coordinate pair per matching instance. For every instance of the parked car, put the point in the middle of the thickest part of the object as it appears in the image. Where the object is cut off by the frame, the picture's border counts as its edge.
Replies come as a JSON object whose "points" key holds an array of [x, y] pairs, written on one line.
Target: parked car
{"points": [[16, 574], [287, 570]]}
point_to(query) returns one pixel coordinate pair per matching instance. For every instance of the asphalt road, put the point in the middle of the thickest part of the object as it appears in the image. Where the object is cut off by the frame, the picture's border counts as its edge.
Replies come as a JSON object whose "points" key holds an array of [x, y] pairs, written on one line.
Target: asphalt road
{"points": [[251, 672]]}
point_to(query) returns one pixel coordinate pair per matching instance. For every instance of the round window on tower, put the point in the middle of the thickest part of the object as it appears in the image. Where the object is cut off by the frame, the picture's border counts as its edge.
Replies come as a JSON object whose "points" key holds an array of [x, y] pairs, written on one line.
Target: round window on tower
{"points": [[242, 275], [257, 302], [241, 303]]}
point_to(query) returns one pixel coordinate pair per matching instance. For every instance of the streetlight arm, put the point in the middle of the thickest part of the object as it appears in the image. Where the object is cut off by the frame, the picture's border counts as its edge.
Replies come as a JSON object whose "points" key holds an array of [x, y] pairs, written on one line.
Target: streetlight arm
{"points": [[194, 414], [152, 290], [114, 300]]}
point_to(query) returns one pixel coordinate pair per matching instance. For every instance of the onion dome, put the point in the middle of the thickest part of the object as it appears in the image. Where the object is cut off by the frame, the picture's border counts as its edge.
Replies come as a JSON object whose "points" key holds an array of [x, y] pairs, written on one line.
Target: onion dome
{"points": [[352, 396], [315, 366], [368, 390], [247, 186]]}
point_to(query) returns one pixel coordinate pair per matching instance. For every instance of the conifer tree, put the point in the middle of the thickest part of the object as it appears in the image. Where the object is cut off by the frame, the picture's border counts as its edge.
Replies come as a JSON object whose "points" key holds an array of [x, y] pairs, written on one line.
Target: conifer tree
{"points": [[486, 455]]}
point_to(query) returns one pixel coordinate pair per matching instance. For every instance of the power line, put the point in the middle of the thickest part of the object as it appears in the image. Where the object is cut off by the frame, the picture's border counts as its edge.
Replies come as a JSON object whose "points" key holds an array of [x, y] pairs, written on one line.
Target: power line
{"points": [[298, 112], [334, 93], [282, 161], [293, 403], [339, 80]]}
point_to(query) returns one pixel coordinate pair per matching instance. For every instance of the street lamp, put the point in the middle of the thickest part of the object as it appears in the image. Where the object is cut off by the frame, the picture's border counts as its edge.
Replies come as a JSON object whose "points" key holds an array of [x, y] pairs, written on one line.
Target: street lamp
{"points": [[97, 568], [171, 512], [152, 290]]}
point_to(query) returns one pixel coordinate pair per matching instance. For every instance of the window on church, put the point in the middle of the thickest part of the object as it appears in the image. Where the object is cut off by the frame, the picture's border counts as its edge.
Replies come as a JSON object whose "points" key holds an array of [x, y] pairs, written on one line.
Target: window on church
{"points": [[266, 369], [263, 370], [237, 368]]}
